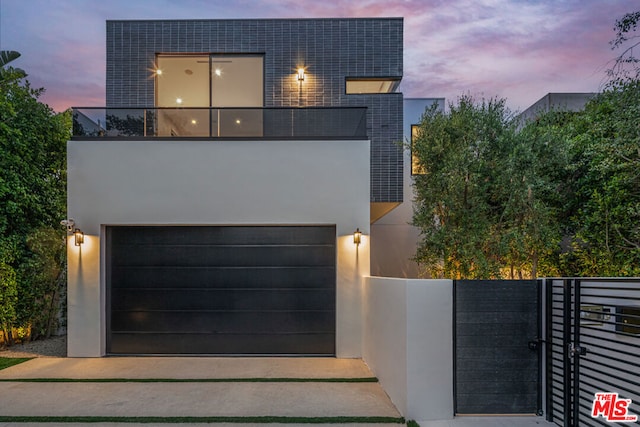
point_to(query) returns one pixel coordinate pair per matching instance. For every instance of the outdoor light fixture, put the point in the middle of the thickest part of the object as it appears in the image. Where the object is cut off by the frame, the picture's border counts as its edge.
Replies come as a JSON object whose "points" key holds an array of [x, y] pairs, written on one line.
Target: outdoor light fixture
{"points": [[79, 236], [300, 74], [357, 236]]}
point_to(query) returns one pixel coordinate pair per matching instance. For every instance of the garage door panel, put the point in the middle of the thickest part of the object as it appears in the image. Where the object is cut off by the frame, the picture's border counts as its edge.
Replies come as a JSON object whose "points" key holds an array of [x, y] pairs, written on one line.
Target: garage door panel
{"points": [[221, 290], [224, 277], [227, 235], [181, 344], [141, 299], [239, 256], [224, 321]]}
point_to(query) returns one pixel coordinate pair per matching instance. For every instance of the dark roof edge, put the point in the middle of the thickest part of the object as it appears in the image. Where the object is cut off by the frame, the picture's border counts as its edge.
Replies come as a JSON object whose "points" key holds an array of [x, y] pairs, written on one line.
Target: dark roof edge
{"points": [[374, 18], [420, 98]]}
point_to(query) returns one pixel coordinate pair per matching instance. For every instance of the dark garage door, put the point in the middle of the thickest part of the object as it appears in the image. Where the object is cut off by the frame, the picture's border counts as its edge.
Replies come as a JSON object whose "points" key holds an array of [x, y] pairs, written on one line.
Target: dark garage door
{"points": [[221, 290]]}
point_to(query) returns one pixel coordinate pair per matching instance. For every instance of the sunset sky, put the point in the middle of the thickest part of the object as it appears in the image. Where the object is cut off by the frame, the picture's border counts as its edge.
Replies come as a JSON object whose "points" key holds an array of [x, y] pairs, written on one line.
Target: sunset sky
{"points": [[515, 49]]}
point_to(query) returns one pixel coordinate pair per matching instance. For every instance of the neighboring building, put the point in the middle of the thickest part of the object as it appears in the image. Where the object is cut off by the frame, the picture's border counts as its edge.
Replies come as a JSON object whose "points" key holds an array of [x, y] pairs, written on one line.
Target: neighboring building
{"points": [[220, 187], [572, 101]]}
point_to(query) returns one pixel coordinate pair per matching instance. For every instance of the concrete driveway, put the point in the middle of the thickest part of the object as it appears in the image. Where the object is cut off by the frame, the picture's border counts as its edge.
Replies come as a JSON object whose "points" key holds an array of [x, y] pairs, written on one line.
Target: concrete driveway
{"points": [[206, 387], [192, 387]]}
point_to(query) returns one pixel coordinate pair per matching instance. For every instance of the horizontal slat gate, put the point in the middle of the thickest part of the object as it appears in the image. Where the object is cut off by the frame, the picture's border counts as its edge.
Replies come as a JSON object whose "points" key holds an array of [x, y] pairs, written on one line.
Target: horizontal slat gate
{"points": [[221, 290], [593, 346]]}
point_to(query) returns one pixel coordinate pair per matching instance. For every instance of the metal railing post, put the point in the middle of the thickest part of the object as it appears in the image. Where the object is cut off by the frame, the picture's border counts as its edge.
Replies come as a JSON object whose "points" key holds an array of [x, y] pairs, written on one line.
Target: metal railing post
{"points": [[576, 352], [210, 122], [566, 359], [548, 346]]}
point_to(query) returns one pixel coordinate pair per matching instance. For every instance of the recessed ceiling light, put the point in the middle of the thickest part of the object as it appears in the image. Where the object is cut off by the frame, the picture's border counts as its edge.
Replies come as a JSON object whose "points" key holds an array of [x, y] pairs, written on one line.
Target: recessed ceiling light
{"points": [[218, 72], [237, 121], [158, 72], [178, 100], [188, 72], [194, 122]]}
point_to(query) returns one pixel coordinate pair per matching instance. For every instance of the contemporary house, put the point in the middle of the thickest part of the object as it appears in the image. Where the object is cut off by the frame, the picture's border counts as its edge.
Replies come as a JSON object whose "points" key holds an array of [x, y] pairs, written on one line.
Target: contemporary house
{"points": [[243, 186], [224, 195]]}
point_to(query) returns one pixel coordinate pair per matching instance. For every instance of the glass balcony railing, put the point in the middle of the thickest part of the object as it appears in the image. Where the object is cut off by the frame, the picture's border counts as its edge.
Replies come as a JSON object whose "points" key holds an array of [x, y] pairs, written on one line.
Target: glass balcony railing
{"points": [[285, 123]]}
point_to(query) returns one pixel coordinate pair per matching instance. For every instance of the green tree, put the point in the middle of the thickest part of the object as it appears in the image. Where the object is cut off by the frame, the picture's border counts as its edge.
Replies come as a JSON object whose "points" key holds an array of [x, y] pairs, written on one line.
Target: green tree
{"points": [[592, 160], [451, 208], [8, 293], [531, 190], [556, 196], [32, 202], [486, 204], [626, 64], [605, 143]]}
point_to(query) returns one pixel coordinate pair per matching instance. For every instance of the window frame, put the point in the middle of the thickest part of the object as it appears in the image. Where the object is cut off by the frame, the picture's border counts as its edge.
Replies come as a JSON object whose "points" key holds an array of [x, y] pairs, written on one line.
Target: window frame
{"points": [[395, 82]]}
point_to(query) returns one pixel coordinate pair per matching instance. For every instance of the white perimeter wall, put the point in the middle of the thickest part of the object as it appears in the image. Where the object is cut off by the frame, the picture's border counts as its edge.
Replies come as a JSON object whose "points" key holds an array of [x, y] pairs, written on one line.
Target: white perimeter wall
{"points": [[214, 183], [408, 343]]}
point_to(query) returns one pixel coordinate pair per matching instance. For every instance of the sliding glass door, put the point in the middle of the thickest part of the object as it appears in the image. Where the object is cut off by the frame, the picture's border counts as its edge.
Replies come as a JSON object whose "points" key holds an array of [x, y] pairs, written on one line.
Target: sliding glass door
{"points": [[209, 95]]}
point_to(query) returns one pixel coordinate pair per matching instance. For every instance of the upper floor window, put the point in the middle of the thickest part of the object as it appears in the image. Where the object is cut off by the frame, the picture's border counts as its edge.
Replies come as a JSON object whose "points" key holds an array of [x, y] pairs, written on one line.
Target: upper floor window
{"points": [[237, 81], [416, 167], [209, 81], [182, 81], [371, 85], [189, 85]]}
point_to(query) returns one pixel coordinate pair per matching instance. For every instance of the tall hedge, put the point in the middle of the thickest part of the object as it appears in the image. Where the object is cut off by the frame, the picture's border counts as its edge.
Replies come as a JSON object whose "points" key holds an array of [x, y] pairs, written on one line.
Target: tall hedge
{"points": [[32, 203]]}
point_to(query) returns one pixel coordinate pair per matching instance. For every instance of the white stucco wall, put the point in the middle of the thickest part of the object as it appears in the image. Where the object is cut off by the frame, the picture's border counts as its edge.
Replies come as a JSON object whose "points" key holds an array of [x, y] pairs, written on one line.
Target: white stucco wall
{"points": [[408, 343], [214, 183], [385, 335]]}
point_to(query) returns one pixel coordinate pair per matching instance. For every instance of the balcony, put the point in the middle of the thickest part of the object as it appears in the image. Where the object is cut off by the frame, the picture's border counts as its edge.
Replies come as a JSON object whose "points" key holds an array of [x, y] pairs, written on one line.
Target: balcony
{"points": [[227, 123]]}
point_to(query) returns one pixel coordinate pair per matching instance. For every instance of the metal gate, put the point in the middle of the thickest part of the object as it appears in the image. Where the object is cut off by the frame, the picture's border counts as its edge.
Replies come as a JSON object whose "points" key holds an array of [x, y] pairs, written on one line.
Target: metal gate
{"points": [[497, 356], [593, 346]]}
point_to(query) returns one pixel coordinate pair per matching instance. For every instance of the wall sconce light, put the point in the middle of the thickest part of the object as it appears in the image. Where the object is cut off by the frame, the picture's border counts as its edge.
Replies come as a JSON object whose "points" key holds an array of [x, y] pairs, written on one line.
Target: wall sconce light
{"points": [[78, 236], [357, 236], [300, 74]]}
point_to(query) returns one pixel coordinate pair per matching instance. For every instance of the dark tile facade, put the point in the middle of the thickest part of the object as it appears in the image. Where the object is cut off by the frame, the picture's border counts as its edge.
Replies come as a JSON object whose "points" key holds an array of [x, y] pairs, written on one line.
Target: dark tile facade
{"points": [[330, 49]]}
